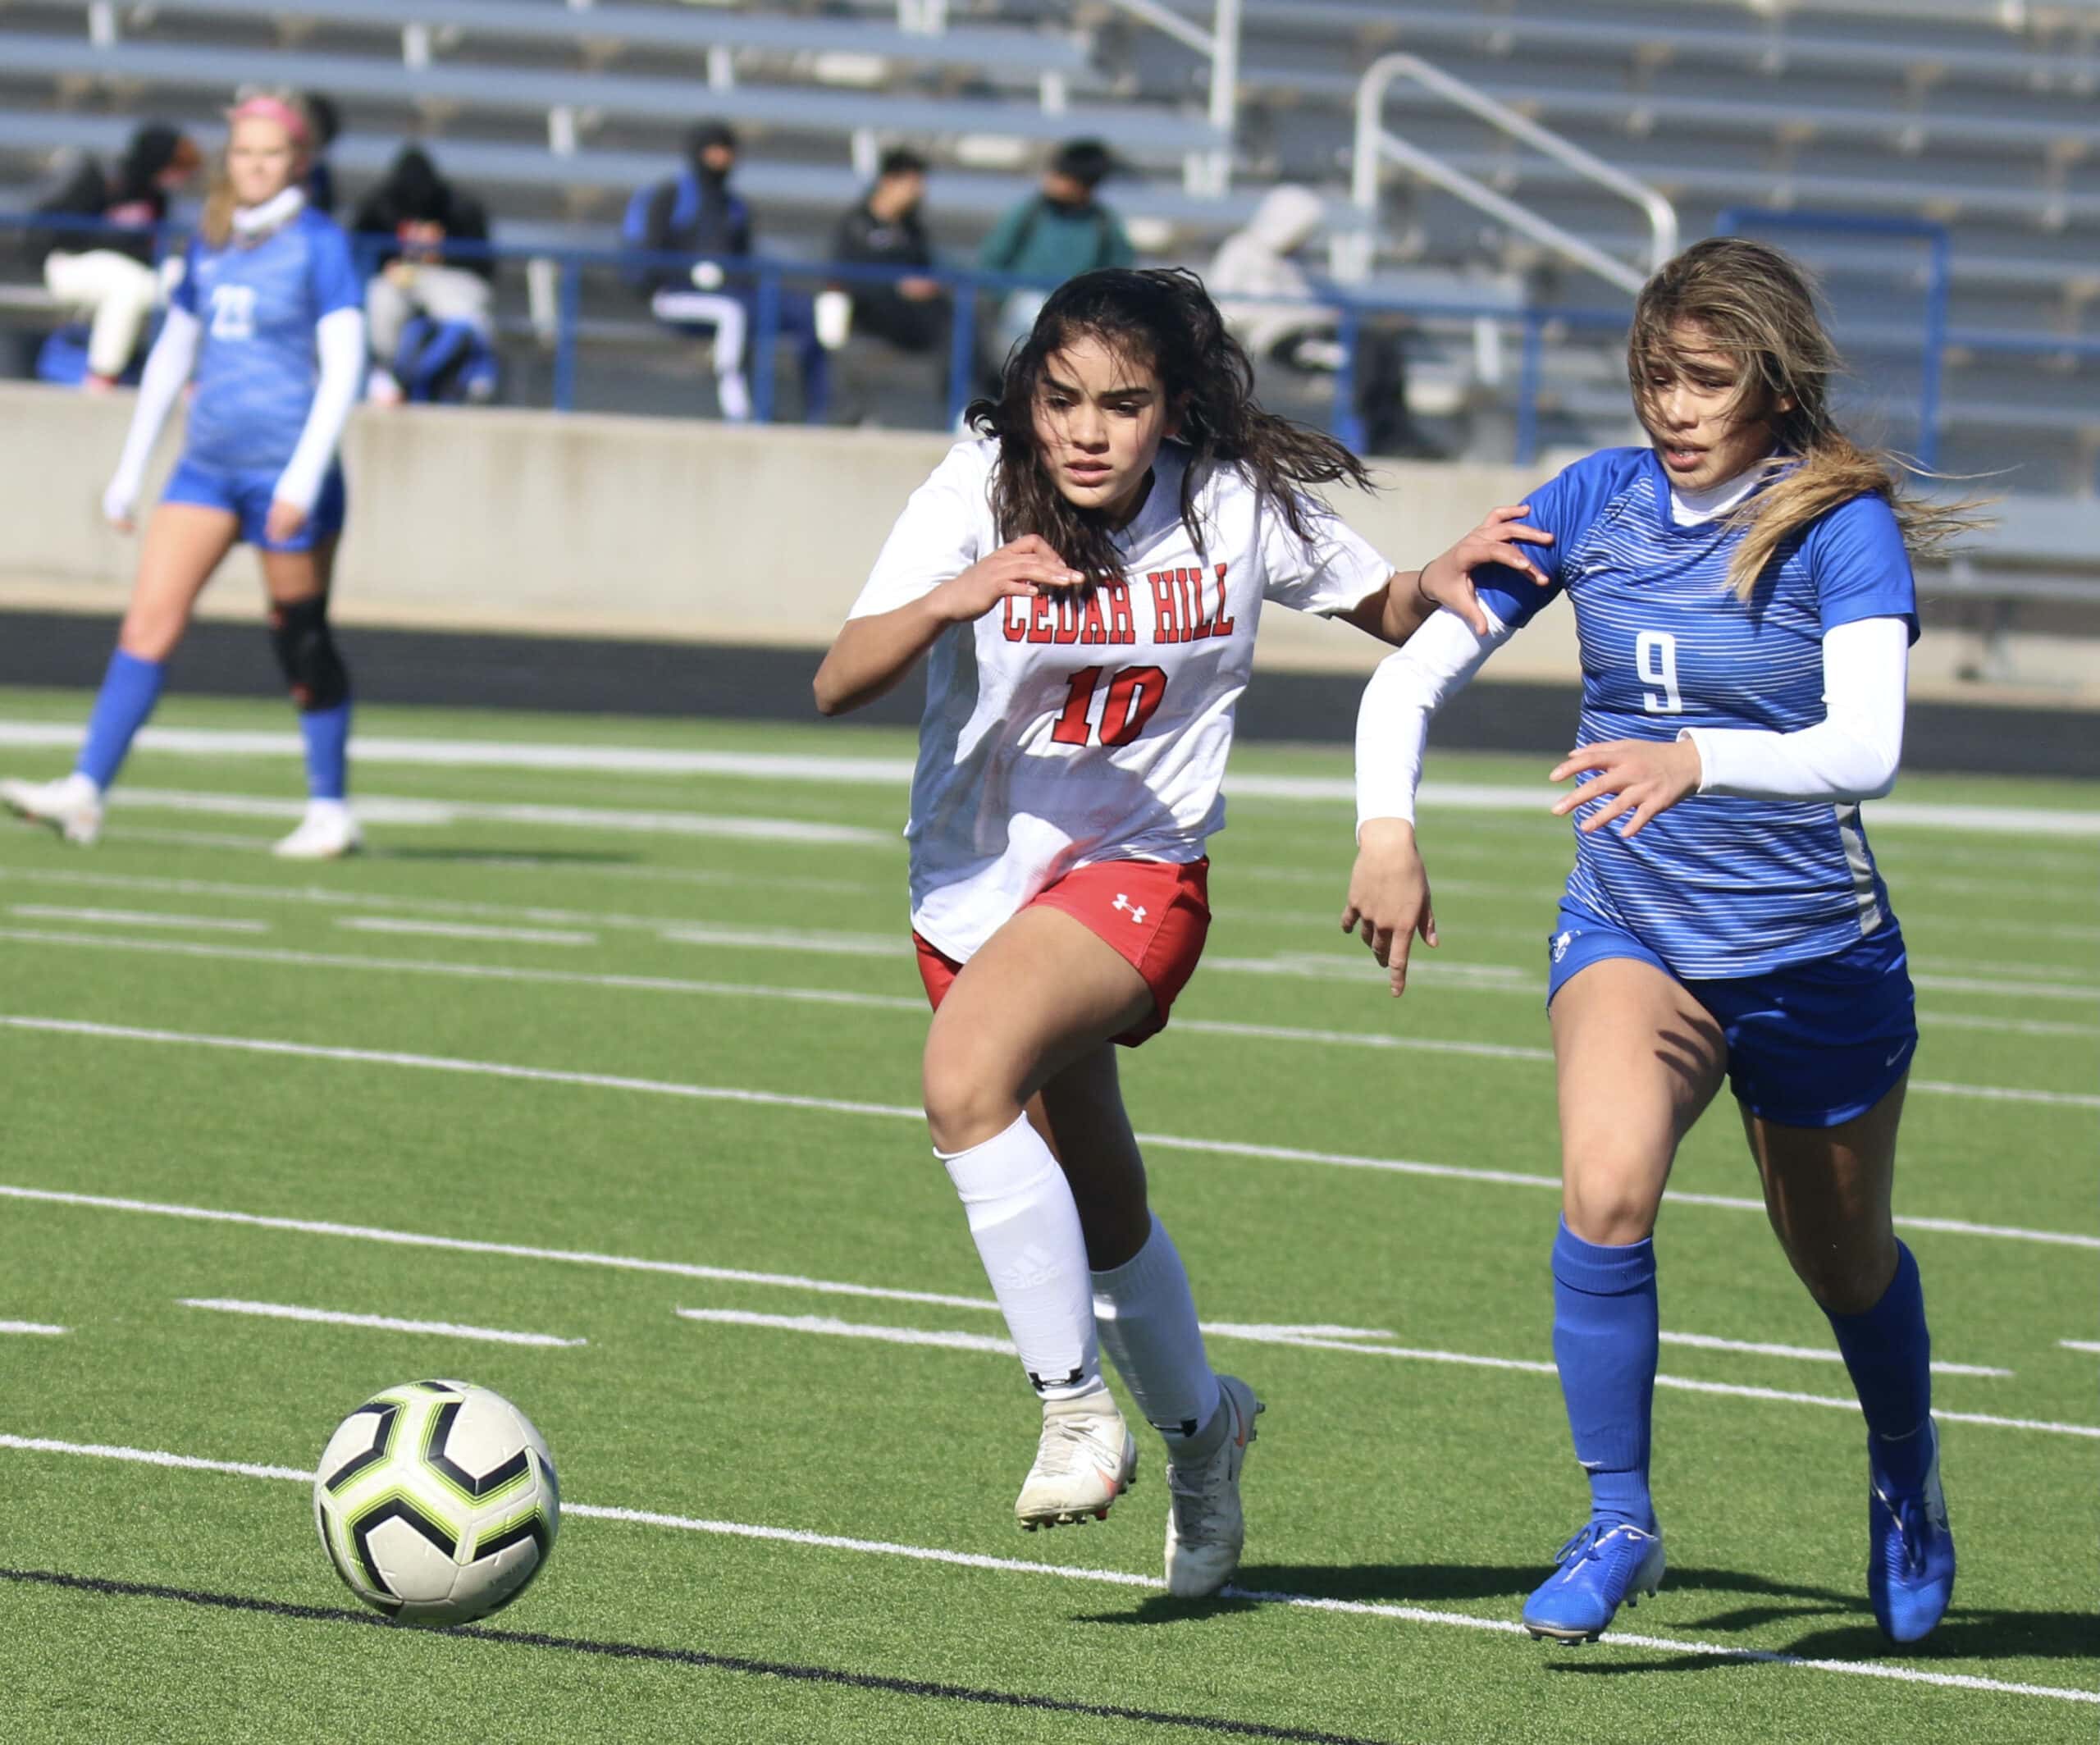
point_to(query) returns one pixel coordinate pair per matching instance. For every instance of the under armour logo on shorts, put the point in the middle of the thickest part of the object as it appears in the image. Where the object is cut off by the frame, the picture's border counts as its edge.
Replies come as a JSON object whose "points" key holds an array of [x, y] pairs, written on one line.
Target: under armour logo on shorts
{"points": [[1137, 914]]}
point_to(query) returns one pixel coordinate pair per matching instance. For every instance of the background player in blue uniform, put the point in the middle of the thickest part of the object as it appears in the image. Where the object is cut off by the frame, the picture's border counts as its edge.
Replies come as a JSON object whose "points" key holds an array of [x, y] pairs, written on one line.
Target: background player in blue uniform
{"points": [[1743, 597], [267, 320]]}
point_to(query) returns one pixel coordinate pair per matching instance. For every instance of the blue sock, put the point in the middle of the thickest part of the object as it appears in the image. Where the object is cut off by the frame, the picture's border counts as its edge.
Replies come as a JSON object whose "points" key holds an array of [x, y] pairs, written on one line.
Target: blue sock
{"points": [[1605, 1343], [1889, 1354], [327, 735], [130, 686]]}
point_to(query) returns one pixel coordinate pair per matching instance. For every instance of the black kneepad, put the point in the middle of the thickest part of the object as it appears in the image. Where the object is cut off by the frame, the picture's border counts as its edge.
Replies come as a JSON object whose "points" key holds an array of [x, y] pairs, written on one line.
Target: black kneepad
{"points": [[306, 651]]}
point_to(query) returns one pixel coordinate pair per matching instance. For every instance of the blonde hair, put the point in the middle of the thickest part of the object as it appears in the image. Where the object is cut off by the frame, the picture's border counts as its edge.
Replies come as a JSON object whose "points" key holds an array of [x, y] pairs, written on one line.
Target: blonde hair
{"points": [[215, 225], [1751, 303]]}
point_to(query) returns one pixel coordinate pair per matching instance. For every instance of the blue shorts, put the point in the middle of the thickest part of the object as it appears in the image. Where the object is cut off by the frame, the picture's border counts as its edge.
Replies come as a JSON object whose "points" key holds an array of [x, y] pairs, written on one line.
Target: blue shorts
{"points": [[1814, 1044], [246, 491]]}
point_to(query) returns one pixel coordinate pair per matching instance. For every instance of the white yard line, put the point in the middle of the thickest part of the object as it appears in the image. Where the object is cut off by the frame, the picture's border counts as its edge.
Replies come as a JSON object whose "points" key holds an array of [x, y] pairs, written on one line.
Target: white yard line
{"points": [[831, 1105], [2087, 1345], [407, 812], [1807, 1353], [1417, 1614], [821, 944], [837, 1329], [500, 1250], [464, 930], [490, 972], [505, 913], [1320, 965], [2015, 990], [38, 912], [497, 972], [870, 945], [43, 1329], [384, 1323], [1316, 1336], [896, 772]]}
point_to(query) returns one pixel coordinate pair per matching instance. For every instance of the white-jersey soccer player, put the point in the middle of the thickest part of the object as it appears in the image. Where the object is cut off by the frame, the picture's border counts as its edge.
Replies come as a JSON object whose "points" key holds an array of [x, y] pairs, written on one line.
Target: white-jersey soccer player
{"points": [[1087, 579], [267, 320], [1743, 596]]}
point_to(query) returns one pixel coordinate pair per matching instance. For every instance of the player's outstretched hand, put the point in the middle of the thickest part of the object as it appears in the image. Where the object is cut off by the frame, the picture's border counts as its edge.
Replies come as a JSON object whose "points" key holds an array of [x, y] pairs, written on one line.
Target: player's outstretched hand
{"points": [[1389, 897], [120, 507], [1026, 568], [286, 519], [1642, 776], [1448, 578]]}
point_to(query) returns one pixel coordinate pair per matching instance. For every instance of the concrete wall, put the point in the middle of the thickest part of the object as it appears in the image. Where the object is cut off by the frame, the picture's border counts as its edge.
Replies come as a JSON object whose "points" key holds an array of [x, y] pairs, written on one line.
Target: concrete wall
{"points": [[605, 525], [596, 526]]}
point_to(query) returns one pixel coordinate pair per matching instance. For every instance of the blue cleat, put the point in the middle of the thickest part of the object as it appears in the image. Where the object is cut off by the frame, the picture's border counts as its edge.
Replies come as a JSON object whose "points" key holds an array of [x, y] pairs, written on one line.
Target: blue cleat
{"points": [[1609, 1563], [1910, 1553]]}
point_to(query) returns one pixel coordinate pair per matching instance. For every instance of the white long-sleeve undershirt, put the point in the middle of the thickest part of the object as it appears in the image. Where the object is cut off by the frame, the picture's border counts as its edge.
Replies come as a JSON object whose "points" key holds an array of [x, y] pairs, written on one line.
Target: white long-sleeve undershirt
{"points": [[167, 367], [338, 340], [1852, 754]]}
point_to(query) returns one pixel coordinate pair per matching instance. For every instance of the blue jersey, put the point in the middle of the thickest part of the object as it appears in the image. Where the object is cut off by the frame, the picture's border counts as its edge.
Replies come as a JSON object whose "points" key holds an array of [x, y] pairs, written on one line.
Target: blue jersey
{"points": [[1716, 886], [258, 363]]}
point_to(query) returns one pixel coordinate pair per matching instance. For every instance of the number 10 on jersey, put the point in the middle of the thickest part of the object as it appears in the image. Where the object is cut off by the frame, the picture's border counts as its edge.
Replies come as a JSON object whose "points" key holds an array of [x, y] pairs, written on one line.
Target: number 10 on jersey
{"points": [[1134, 693]]}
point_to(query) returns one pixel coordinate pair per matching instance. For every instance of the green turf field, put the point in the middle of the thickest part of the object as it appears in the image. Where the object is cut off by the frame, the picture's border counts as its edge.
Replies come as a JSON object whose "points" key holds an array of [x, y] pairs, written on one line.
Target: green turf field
{"points": [[646, 1040]]}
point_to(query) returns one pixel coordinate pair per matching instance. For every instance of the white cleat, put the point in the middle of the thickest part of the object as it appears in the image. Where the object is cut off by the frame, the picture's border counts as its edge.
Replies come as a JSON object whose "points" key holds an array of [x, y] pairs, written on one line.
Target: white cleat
{"points": [[327, 832], [1205, 1529], [1086, 1459], [71, 806]]}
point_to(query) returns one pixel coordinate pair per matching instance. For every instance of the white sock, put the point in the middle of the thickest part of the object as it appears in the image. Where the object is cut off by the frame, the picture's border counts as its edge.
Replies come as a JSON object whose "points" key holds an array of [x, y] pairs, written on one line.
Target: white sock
{"points": [[1146, 1321], [327, 812], [78, 787], [1027, 1230]]}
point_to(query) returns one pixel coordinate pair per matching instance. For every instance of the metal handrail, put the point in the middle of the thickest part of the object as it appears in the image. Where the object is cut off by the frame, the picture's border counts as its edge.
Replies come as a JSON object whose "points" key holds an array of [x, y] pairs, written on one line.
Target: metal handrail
{"points": [[1211, 172], [1375, 143]]}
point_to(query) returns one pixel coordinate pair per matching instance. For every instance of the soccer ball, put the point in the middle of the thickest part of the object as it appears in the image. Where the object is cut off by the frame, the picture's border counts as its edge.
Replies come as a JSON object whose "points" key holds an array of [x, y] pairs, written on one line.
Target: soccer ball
{"points": [[436, 1501]]}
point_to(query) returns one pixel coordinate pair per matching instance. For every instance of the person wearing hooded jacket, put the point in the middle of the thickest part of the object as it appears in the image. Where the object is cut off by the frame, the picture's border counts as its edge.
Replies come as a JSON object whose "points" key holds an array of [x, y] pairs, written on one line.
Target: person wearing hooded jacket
{"points": [[109, 280], [420, 212], [1271, 305], [697, 213]]}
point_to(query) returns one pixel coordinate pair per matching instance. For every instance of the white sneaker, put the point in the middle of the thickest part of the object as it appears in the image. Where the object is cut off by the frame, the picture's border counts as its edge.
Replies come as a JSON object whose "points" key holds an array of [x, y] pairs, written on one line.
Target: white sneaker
{"points": [[327, 832], [1205, 1530], [1086, 1459], [71, 806]]}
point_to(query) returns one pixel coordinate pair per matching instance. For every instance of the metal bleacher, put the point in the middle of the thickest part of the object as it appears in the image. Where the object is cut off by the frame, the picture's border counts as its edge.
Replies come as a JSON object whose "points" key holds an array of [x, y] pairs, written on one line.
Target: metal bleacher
{"points": [[1966, 113]]}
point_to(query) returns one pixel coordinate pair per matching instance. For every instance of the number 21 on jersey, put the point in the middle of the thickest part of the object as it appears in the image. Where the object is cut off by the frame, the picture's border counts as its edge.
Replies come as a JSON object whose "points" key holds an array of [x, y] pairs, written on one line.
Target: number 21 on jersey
{"points": [[233, 312], [1134, 693], [1655, 661]]}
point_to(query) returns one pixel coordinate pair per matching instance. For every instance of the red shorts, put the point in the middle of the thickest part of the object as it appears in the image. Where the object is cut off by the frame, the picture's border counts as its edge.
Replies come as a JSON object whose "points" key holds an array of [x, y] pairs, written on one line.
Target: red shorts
{"points": [[1154, 912]]}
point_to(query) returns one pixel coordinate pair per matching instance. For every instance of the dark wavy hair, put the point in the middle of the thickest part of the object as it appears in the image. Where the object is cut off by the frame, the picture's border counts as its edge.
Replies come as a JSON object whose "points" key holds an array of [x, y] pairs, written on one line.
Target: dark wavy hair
{"points": [[1164, 319]]}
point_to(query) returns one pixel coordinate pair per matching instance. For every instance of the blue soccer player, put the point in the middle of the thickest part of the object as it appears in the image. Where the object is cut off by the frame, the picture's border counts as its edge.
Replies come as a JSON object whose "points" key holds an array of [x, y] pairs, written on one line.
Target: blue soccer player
{"points": [[267, 320], [1743, 597]]}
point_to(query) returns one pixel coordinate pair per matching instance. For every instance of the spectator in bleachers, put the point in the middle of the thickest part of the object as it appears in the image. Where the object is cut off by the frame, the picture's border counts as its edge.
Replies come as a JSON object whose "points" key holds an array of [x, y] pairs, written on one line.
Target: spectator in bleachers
{"points": [[885, 230], [1302, 335], [109, 282], [1058, 232], [320, 175], [698, 212], [427, 311]]}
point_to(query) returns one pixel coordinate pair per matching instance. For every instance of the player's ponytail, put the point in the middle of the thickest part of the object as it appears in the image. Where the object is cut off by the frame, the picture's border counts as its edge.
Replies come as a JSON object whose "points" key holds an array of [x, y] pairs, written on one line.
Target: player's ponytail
{"points": [[1163, 317], [1750, 301], [290, 111]]}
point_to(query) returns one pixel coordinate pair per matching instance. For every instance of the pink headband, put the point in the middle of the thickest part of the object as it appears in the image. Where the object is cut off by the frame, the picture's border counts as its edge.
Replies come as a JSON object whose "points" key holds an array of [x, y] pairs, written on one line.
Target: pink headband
{"points": [[272, 109]]}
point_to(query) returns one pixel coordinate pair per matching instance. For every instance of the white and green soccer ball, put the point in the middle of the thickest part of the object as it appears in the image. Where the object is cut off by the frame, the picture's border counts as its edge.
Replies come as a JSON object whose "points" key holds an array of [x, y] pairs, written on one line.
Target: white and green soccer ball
{"points": [[436, 1501]]}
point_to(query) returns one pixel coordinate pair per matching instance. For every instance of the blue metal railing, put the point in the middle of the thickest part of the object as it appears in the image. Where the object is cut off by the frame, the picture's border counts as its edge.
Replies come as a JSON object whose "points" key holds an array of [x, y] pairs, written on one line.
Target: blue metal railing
{"points": [[778, 291]]}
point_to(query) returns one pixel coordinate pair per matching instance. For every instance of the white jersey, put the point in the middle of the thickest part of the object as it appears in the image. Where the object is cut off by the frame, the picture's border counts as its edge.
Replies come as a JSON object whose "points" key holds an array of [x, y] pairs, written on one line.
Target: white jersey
{"points": [[1060, 732]]}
